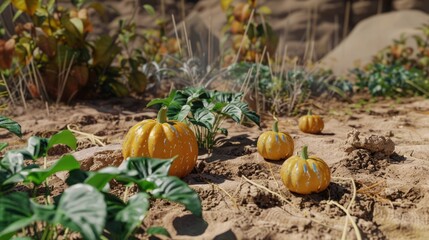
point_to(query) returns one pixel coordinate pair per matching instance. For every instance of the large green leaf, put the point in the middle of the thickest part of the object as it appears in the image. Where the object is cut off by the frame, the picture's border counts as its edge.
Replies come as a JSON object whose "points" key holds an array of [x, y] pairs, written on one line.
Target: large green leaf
{"points": [[82, 208], [252, 115], [38, 175], [101, 178], [15, 213], [64, 137], [10, 125], [184, 111], [133, 213], [232, 111], [205, 118], [147, 168], [174, 189]]}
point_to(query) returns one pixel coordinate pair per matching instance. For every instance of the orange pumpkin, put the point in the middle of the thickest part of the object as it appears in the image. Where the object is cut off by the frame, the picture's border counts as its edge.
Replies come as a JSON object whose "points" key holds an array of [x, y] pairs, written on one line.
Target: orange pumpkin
{"points": [[275, 145], [311, 123], [161, 138], [304, 174]]}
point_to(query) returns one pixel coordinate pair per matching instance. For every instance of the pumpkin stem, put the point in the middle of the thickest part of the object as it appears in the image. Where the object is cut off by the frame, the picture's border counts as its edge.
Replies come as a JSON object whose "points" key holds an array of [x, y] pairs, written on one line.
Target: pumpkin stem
{"points": [[304, 153], [309, 112], [162, 115], [276, 124]]}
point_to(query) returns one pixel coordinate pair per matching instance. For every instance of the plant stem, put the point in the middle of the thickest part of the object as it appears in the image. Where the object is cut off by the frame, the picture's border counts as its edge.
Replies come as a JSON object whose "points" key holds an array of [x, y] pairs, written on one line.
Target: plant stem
{"points": [[304, 153], [276, 126], [162, 115]]}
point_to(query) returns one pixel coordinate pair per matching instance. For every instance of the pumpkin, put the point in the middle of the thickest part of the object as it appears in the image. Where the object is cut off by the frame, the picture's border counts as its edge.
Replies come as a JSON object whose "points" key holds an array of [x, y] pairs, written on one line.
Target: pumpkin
{"points": [[275, 145], [311, 123], [304, 174], [160, 138]]}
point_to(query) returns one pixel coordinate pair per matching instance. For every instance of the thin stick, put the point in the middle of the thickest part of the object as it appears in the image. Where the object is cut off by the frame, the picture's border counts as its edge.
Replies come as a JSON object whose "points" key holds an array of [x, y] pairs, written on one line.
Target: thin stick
{"points": [[7, 88], [94, 139], [268, 190], [242, 40], [177, 35], [355, 227], [343, 237]]}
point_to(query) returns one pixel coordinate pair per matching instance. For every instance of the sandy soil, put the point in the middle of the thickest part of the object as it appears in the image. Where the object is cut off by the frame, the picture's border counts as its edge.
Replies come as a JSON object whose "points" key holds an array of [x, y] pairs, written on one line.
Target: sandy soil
{"points": [[382, 146]]}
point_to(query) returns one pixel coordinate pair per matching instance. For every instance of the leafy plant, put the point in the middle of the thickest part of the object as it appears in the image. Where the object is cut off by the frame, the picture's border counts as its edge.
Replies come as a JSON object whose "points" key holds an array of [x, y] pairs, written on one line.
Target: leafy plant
{"points": [[11, 126], [286, 89], [398, 69], [86, 206], [206, 111], [54, 57], [392, 80], [250, 33]]}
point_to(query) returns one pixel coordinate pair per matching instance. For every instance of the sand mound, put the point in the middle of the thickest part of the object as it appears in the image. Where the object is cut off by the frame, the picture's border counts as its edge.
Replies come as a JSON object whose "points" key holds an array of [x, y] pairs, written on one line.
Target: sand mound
{"points": [[370, 36]]}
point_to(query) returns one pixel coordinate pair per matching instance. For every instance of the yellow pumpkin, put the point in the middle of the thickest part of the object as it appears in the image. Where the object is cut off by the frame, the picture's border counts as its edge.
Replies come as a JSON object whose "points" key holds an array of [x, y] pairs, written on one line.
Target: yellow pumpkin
{"points": [[311, 123], [304, 174], [161, 138], [275, 145]]}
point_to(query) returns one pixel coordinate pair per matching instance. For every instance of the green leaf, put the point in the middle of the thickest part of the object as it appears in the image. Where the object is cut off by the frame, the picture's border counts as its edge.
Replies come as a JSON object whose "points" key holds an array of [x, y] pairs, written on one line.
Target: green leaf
{"points": [[78, 24], [149, 9], [15, 213], [158, 231], [82, 208], [10, 125], [13, 162], [232, 111], [205, 118], [252, 115], [184, 111], [17, 15], [76, 176], [133, 213], [147, 168], [64, 137], [174, 189], [3, 146], [164, 101], [38, 175], [138, 81], [37, 147], [4, 5], [101, 178], [105, 51]]}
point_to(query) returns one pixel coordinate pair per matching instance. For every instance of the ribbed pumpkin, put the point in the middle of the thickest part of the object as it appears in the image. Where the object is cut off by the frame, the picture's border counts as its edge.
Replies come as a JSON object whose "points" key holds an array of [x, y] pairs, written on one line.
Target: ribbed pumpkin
{"points": [[305, 175], [275, 145], [311, 123], [160, 138]]}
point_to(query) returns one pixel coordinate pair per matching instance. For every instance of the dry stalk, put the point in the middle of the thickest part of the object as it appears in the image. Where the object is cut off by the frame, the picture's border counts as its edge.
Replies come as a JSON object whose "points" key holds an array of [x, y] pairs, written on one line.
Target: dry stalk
{"points": [[242, 40], [87, 136], [270, 191], [346, 210]]}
